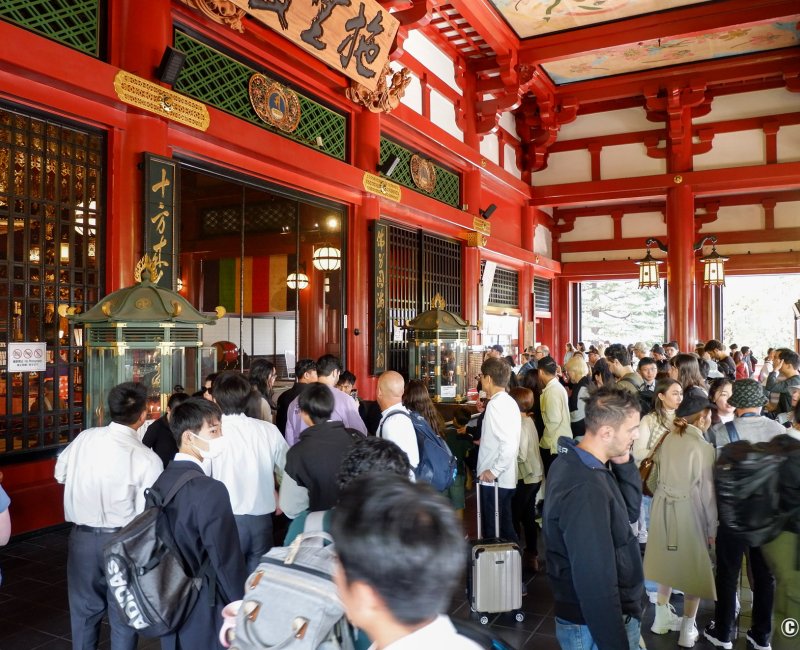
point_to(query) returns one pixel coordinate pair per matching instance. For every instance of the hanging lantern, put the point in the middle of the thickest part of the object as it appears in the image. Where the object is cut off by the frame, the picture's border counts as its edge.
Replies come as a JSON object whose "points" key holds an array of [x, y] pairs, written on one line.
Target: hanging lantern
{"points": [[713, 269], [649, 277], [297, 281], [327, 258]]}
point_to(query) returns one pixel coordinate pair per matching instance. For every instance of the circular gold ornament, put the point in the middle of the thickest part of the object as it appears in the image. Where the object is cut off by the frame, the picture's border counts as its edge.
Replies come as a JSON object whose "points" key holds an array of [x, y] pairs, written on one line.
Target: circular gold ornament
{"points": [[423, 173]]}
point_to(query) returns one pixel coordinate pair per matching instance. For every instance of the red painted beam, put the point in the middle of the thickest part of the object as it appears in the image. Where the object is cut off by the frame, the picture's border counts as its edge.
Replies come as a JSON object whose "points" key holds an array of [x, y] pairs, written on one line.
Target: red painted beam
{"points": [[736, 237], [710, 182], [482, 17], [688, 20]]}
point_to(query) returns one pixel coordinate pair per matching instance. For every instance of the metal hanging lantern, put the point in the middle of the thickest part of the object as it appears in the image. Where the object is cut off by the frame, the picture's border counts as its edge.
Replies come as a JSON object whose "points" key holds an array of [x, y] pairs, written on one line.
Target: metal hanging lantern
{"points": [[649, 277], [714, 269]]}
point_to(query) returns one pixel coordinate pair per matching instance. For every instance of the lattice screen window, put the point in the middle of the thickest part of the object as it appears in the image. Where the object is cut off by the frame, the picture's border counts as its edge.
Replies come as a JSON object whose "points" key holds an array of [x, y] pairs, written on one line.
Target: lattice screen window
{"points": [[505, 288], [52, 223], [74, 23], [420, 266], [277, 215], [541, 294], [448, 184], [215, 78]]}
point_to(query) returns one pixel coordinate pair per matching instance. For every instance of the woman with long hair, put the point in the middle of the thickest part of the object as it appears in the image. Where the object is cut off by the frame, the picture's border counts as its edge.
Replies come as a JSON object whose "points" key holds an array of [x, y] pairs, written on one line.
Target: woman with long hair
{"points": [[262, 377], [685, 369], [719, 391], [601, 373], [683, 521], [570, 350], [416, 398]]}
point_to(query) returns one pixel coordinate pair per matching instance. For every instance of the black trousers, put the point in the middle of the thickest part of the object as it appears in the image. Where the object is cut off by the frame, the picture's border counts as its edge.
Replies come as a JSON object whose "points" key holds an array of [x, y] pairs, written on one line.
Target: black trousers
{"points": [[89, 596], [730, 552], [504, 497], [255, 537], [523, 506]]}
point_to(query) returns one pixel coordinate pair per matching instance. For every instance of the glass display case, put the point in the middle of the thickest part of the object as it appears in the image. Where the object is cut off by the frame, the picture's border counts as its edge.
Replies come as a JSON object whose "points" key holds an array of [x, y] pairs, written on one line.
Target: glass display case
{"points": [[147, 334], [437, 345]]}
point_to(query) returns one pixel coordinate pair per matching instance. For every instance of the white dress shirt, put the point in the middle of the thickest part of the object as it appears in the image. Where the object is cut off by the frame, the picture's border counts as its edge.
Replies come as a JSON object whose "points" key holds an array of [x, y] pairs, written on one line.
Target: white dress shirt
{"points": [[400, 430], [437, 635], [345, 410], [105, 472], [502, 425], [253, 453]]}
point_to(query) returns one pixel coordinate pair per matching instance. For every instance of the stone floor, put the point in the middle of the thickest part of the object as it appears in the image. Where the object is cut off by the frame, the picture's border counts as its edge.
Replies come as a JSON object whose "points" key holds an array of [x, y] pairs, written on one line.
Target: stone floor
{"points": [[34, 611]]}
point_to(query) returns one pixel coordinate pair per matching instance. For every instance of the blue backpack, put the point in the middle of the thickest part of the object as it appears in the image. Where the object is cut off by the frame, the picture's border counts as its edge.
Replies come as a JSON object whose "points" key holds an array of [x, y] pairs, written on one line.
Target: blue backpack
{"points": [[437, 465]]}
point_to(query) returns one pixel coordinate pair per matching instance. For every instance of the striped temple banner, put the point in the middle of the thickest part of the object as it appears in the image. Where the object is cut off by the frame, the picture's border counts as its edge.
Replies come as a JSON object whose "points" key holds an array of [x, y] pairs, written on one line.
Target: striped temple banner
{"points": [[262, 278]]}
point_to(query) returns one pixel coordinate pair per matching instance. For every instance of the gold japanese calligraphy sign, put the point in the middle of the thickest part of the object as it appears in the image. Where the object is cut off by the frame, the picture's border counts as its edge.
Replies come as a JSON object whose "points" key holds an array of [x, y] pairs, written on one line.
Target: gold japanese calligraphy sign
{"points": [[351, 36], [160, 218], [380, 263]]}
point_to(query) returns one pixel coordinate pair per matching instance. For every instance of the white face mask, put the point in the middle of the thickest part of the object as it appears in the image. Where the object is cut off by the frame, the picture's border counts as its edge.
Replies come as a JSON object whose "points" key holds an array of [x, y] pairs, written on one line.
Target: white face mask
{"points": [[215, 447]]}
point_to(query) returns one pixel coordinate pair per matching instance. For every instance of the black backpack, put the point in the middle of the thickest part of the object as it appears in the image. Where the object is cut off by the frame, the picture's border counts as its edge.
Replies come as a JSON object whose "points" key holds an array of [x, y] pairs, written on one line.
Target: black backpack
{"points": [[646, 398], [758, 488], [146, 575], [437, 465]]}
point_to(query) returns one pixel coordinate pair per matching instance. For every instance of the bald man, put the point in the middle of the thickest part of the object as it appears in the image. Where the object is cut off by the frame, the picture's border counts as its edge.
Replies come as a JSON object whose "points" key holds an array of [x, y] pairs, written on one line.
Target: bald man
{"points": [[394, 426]]}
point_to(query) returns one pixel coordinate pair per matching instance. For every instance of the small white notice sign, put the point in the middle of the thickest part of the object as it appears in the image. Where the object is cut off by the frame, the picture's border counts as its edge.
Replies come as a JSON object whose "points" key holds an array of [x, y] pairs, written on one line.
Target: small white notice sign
{"points": [[27, 357], [448, 391]]}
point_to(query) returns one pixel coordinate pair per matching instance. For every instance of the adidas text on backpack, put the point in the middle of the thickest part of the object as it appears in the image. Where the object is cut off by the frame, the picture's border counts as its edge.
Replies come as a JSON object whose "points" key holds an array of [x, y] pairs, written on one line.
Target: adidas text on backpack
{"points": [[437, 465], [145, 573]]}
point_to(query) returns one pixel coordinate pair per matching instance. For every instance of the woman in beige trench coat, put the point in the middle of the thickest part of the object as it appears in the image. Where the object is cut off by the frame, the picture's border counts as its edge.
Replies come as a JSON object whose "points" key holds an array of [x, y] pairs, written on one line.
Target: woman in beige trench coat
{"points": [[683, 519]]}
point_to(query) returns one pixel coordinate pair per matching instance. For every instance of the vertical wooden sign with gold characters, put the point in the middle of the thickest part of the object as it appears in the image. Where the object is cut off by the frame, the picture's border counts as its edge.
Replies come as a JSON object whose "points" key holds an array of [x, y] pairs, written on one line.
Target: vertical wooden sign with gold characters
{"points": [[380, 337], [351, 36], [160, 219]]}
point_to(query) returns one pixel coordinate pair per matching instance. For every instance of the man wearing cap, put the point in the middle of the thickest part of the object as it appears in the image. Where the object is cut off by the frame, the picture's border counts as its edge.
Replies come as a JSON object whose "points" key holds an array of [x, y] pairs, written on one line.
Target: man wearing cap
{"points": [[748, 424], [592, 356]]}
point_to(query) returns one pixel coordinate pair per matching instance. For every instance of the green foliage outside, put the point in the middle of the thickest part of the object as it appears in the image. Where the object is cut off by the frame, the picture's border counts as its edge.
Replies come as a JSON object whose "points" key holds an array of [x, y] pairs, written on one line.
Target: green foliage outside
{"points": [[618, 311], [757, 311]]}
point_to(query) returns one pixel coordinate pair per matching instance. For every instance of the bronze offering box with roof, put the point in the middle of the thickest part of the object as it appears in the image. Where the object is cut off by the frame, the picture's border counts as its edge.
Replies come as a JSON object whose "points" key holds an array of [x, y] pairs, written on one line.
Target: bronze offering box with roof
{"points": [[437, 346], [145, 333]]}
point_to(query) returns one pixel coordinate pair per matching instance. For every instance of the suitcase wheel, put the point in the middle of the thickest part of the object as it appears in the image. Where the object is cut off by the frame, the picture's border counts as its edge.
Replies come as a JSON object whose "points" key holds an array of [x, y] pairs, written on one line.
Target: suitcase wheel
{"points": [[484, 619], [519, 617]]}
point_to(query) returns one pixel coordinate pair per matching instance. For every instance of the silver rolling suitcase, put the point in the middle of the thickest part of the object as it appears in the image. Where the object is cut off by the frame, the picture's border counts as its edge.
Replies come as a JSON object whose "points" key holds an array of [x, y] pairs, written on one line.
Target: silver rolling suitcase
{"points": [[494, 578]]}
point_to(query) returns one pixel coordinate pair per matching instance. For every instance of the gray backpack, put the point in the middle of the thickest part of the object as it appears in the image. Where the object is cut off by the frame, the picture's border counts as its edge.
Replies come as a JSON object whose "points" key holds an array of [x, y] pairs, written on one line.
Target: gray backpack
{"points": [[290, 601]]}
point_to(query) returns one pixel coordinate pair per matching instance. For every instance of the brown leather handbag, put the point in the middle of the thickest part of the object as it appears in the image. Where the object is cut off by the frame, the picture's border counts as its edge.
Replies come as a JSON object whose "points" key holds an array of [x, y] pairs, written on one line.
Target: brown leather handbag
{"points": [[646, 467]]}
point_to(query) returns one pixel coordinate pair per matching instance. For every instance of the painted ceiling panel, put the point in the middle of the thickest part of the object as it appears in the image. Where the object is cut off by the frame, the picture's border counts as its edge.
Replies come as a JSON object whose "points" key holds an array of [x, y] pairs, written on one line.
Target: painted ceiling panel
{"points": [[536, 17], [651, 54]]}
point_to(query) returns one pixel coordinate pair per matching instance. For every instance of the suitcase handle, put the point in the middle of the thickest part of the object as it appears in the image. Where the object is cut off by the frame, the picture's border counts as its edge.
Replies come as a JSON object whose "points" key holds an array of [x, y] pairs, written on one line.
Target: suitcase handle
{"points": [[496, 509]]}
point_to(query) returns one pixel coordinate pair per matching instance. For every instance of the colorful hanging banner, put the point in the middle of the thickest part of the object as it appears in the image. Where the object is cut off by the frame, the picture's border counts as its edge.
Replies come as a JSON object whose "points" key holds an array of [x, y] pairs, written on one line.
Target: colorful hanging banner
{"points": [[255, 285]]}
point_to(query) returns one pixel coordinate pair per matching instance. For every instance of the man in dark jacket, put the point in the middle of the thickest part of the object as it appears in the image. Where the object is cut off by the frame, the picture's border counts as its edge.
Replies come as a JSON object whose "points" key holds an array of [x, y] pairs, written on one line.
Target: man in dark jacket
{"points": [[309, 480], [594, 492], [305, 371], [201, 521]]}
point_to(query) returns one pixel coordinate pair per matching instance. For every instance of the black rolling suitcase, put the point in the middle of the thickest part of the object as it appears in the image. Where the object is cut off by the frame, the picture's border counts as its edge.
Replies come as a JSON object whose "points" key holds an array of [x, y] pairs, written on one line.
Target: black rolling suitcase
{"points": [[494, 575]]}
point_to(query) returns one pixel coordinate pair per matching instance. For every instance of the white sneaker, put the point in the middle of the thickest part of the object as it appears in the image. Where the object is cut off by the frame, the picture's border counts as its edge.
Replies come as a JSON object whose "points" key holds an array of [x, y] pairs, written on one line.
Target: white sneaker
{"points": [[652, 596], [689, 633], [710, 635], [666, 620]]}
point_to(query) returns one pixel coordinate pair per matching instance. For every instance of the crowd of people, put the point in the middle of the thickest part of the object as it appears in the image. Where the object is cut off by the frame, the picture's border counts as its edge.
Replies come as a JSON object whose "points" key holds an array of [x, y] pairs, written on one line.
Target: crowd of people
{"points": [[563, 444]]}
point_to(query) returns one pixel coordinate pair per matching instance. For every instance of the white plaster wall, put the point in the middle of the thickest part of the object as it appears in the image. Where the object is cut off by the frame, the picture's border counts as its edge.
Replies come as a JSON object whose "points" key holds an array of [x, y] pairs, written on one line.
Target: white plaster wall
{"points": [[589, 229], [755, 104], [510, 160], [629, 160], [543, 241], [565, 167], [508, 122], [735, 218], [644, 224], [608, 123], [443, 115], [733, 150], [490, 147], [766, 247], [431, 57], [787, 215], [789, 142]]}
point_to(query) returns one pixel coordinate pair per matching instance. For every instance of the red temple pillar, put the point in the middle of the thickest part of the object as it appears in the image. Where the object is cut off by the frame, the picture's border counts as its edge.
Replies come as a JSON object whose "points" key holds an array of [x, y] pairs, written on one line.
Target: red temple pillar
{"points": [[681, 317]]}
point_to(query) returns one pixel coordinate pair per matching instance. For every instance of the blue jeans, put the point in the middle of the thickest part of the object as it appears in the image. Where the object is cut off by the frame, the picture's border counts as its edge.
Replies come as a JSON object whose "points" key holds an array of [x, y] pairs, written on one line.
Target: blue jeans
{"points": [[572, 636]]}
